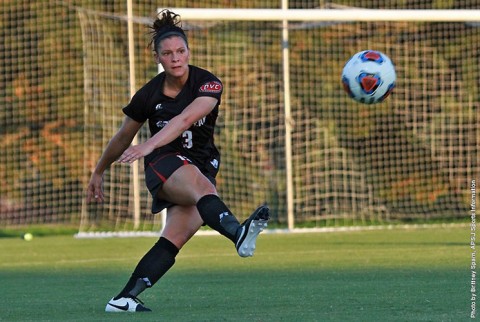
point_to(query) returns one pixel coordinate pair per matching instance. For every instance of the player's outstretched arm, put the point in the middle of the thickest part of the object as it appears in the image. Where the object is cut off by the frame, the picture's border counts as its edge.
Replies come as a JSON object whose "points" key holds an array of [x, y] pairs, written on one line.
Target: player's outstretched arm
{"points": [[117, 145], [198, 109]]}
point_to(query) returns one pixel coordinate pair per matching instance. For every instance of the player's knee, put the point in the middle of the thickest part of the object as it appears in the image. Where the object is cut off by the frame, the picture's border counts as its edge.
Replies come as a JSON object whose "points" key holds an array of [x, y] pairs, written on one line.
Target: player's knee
{"points": [[204, 191], [202, 187], [209, 189]]}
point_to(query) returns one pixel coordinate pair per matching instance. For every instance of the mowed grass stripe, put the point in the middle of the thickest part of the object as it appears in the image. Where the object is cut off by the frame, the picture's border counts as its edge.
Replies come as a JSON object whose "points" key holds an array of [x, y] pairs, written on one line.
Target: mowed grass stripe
{"points": [[393, 275]]}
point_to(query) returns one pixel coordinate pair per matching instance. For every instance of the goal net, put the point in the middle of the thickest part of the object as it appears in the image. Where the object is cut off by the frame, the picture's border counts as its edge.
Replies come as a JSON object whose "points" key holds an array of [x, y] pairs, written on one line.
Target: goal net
{"points": [[288, 134]]}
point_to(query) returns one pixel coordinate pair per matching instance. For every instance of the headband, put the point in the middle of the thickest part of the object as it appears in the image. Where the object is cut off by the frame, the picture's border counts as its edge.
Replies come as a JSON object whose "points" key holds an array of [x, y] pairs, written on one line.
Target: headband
{"points": [[171, 31]]}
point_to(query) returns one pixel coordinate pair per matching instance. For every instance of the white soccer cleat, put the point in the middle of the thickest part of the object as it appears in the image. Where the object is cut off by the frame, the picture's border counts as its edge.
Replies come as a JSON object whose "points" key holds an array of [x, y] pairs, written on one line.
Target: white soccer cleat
{"points": [[126, 304], [250, 230]]}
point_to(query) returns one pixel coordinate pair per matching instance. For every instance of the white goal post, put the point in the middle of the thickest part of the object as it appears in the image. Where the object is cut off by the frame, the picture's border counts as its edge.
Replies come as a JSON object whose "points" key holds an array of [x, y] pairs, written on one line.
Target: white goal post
{"points": [[446, 15], [290, 136]]}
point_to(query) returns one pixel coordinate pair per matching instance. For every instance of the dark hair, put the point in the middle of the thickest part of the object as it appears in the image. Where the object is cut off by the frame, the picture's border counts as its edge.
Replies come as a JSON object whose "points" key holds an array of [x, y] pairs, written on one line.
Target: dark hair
{"points": [[166, 24]]}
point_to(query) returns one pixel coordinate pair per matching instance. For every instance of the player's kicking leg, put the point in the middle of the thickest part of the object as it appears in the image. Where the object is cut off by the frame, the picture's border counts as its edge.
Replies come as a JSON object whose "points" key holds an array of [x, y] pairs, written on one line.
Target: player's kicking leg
{"points": [[217, 215], [248, 232]]}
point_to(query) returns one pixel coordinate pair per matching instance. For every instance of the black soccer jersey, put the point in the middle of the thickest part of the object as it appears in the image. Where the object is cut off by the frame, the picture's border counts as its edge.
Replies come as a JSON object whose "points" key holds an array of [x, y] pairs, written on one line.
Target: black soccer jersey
{"points": [[149, 103]]}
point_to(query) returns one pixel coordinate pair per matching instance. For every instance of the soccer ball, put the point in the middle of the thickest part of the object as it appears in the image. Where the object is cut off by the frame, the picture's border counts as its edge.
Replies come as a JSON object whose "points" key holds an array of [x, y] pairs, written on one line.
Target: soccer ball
{"points": [[369, 76]]}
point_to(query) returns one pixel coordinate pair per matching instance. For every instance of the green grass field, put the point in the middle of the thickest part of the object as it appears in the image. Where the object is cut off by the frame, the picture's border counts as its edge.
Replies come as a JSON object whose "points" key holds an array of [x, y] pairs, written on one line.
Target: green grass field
{"points": [[381, 275]]}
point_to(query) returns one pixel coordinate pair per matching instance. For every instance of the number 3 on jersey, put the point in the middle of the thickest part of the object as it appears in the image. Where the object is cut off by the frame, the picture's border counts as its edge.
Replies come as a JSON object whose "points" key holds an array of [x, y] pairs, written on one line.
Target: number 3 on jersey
{"points": [[187, 137]]}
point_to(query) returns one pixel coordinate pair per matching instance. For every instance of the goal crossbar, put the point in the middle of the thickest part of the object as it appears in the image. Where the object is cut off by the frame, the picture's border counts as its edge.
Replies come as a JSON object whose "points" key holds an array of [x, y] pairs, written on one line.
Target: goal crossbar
{"points": [[446, 15]]}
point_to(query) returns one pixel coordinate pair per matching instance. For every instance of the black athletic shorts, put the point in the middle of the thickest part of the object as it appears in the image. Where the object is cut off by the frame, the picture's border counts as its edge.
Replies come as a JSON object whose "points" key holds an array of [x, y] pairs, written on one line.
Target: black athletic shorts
{"points": [[159, 169]]}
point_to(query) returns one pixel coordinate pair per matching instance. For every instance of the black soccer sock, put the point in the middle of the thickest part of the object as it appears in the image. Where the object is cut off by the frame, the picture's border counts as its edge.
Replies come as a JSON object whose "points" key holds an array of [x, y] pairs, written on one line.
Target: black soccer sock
{"points": [[217, 215], [154, 264]]}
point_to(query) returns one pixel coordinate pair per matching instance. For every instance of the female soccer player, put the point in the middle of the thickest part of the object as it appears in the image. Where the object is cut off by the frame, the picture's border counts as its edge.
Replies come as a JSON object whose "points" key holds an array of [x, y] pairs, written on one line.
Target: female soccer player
{"points": [[181, 161]]}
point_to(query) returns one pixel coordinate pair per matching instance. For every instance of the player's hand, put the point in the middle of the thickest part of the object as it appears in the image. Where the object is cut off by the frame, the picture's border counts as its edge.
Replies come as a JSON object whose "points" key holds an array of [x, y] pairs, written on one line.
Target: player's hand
{"points": [[135, 152], [95, 189]]}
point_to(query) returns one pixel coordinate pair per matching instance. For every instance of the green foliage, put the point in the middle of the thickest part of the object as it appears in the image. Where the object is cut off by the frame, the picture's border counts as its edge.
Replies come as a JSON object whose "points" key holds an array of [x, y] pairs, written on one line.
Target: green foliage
{"points": [[43, 99]]}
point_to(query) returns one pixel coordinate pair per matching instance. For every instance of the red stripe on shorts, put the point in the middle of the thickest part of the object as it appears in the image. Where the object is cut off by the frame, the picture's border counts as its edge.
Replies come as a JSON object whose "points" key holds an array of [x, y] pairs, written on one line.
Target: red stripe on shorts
{"points": [[159, 175]]}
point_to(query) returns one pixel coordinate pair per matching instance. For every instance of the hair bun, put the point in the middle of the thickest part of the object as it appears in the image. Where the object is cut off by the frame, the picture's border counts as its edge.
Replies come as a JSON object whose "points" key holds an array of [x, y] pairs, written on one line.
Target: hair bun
{"points": [[166, 18], [166, 24]]}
